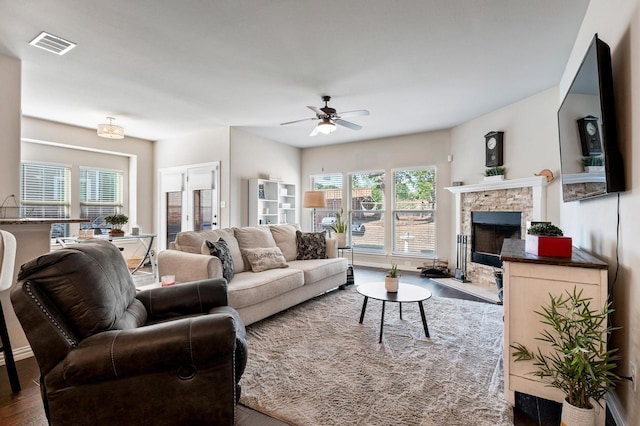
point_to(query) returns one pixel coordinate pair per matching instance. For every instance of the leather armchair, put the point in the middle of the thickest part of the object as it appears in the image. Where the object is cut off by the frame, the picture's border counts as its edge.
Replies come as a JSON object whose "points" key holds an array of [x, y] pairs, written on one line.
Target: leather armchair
{"points": [[110, 355]]}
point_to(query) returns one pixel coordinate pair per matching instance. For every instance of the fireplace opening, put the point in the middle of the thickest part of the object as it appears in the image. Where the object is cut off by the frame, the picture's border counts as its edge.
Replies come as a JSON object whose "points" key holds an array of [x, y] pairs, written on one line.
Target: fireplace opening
{"points": [[488, 231]]}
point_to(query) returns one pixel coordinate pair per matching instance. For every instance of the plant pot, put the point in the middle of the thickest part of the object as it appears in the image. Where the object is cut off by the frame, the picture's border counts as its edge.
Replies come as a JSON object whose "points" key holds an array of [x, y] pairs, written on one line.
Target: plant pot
{"points": [[391, 284], [543, 245], [574, 416], [116, 233], [593, 169], [494, 178], [342, 239]]}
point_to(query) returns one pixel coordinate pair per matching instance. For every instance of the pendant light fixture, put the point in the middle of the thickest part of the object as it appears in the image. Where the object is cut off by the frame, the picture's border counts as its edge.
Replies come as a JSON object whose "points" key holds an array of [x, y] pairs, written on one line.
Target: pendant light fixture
{"points": [[110, 131]]}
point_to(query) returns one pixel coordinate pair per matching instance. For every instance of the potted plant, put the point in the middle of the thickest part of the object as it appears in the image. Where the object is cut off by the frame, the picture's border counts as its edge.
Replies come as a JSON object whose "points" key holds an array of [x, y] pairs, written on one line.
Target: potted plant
{"points": [[116, 221], [546, 239], [578, 363], [494, 173], [593, 163], [392, 279], [340, 227]]}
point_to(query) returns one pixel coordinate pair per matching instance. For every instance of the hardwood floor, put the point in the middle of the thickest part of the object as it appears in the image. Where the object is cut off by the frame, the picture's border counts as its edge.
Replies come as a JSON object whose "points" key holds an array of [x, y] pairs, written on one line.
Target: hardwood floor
{"points": [[25, 407]]}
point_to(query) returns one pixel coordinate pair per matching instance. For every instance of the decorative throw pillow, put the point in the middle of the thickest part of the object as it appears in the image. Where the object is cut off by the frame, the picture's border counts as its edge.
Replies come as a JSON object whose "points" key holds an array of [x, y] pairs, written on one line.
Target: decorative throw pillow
{"points": [[311, 245], [262, 259], [220, 249]]}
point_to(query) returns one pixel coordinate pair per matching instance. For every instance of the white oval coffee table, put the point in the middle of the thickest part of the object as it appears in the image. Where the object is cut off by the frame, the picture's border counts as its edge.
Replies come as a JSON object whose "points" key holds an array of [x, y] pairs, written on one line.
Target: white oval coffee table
{"points": [[406, 293]]}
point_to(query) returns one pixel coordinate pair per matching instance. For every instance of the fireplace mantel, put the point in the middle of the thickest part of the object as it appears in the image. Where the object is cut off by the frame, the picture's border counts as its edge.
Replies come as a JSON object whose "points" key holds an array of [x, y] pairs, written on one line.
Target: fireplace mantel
{"points": [[537, 183]]}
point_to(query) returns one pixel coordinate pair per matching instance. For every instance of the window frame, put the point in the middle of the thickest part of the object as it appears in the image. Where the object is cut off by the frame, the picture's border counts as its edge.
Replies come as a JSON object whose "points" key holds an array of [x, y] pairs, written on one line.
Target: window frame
{"points": [[358, 215]]}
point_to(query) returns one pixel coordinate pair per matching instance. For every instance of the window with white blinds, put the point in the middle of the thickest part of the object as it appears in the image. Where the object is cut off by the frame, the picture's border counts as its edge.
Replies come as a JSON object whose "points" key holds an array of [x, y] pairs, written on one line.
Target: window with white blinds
{"points": [[367, 210], [45, 193], [100, 193], [331, 184], [44, 190]]}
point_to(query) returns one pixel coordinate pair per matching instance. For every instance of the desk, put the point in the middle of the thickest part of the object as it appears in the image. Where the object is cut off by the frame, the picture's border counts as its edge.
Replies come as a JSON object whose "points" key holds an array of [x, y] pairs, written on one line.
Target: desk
{"points": [[146, 240]]}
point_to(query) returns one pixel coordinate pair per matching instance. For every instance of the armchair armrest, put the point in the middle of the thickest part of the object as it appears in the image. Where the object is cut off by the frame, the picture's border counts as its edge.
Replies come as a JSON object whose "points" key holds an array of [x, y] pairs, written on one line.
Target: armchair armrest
{"points": [[184, 344], [196, 297], [188, 266]]}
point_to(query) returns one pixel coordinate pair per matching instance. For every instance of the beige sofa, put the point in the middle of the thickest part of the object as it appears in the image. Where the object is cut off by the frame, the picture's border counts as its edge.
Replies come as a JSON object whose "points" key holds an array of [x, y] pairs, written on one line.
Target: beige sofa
{"points": [[255, 295]]}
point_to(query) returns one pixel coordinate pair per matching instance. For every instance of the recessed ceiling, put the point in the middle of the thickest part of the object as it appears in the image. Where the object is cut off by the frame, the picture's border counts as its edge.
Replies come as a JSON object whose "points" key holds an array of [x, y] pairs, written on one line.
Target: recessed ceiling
{"points": [[167, 69]]}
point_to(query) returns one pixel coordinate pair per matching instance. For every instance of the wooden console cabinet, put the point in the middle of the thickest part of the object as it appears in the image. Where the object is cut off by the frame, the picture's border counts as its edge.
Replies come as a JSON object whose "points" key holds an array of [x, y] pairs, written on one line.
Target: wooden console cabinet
{"points": [[528, 280]]}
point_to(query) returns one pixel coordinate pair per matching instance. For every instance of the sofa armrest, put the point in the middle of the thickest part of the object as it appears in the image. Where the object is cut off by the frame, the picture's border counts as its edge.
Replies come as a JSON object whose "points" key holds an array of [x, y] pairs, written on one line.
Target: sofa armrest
{"points": [[181, 346], [196, 297], [332, 248], [188, 267]]}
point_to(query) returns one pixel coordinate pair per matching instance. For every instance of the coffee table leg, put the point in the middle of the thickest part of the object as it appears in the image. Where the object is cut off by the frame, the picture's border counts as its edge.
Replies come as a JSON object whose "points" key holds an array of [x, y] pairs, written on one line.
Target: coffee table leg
{"points": [[400, 303], [364, 308], [381, 322], [424, 319]]}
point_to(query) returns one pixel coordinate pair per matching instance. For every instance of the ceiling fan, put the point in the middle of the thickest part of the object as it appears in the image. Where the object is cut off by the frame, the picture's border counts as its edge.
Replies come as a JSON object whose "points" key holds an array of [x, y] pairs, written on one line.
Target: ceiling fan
{"points": [[329, 118]]}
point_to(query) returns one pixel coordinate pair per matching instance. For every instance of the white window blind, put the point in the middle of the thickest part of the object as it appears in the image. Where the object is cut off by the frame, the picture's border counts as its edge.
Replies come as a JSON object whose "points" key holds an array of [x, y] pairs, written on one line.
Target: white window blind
{"points": [[44, 190], [100, 193]]}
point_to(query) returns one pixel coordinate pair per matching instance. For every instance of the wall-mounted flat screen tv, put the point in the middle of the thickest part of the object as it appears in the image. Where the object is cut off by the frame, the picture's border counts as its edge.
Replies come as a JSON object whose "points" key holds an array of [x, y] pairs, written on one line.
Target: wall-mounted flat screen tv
{"points": [[590, 160]]}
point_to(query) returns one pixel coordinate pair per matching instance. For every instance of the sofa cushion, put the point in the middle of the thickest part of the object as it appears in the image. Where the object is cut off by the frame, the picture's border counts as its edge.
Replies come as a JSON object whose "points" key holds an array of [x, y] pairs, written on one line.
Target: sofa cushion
{"points": [[187, 240], [285, 237], [263, 259], [250, 289], [318, 269], [311, 245], [254, 236], [220, 249]]}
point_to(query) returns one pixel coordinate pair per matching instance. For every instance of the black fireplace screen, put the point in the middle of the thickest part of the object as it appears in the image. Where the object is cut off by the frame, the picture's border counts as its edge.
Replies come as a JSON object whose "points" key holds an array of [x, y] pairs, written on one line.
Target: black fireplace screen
{"points": [[488, 231]]}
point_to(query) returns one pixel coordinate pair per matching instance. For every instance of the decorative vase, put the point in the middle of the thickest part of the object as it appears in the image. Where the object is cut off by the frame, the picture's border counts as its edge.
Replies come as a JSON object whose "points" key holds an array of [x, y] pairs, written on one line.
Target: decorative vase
{"points": [[391, 284], [574, 416], [342, 239], [544, 245], [593, 169]]}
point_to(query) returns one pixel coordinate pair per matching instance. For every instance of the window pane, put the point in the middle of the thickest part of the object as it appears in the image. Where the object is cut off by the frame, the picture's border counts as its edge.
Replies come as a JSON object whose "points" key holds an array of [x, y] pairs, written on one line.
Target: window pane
{"points": [[174, 215], [332, 186], [414, 213], [44, 193], [202, 209], [367, 211], [100, 196]]}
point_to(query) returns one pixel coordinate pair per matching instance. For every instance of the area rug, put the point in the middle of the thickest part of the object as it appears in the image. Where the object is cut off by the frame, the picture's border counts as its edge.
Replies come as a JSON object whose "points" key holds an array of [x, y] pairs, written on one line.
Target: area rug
{"points": [[316, 365]]}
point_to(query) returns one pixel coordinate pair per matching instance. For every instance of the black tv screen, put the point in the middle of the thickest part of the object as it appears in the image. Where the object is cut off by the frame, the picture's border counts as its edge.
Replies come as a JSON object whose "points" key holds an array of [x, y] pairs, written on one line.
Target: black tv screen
{"points": [[590, 160]]}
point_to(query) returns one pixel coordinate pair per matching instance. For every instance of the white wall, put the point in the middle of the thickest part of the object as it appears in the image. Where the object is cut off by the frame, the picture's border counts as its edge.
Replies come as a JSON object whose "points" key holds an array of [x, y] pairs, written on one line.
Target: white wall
{"points": [[593, 223], [530, 145], [417, 150], [253, 156], [10, 104], [203, 147]]}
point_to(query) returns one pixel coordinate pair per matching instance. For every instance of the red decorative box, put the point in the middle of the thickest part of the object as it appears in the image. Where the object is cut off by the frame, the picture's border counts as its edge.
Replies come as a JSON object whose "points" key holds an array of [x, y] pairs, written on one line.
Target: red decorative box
{"points": [[542, 245]]}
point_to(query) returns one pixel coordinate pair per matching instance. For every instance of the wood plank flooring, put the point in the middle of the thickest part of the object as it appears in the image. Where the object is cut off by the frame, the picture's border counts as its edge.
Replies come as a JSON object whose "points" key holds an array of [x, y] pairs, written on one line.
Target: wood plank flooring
{"points": [[25, 408]]}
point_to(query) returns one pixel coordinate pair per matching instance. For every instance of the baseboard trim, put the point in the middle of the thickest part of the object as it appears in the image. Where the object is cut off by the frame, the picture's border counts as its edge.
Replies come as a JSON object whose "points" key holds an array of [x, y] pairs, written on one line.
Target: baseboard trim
{"points": [[19, 354]]}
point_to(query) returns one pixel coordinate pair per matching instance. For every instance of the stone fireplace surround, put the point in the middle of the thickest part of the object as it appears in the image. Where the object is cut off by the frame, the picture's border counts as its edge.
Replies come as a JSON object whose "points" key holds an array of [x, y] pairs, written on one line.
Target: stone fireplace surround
{"points": [[526, 195]]}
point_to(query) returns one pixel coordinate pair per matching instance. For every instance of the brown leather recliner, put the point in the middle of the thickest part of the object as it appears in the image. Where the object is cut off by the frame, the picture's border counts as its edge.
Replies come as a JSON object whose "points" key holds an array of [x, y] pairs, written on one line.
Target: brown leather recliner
{"points": [[108, 355]]}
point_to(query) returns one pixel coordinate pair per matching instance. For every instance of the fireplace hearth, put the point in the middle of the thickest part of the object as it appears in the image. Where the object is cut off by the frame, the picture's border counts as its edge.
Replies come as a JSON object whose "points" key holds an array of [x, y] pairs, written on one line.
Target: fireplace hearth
{"points": [[488, 231]]}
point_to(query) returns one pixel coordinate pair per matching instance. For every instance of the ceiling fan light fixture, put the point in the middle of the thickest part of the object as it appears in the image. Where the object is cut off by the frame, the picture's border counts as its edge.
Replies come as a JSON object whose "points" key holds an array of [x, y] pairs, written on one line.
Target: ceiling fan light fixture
{"points": [[326, 126], [110, 131]]}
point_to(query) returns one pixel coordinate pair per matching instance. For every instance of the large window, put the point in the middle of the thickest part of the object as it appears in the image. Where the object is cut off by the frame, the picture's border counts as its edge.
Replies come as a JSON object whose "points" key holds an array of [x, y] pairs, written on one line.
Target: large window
{"points": [[100, 195], [367, 211], [414, 212], [45, 193], [331, 184]]}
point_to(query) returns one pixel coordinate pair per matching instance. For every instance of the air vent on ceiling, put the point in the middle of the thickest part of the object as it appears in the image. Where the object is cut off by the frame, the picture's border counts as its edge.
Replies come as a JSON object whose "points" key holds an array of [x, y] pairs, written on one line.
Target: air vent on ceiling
{"points": [[51, 43]]}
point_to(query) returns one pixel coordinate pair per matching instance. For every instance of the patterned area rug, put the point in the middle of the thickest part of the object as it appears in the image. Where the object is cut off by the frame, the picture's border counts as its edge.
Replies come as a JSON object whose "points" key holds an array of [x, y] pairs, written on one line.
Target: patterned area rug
{"points": [[316, 365]]}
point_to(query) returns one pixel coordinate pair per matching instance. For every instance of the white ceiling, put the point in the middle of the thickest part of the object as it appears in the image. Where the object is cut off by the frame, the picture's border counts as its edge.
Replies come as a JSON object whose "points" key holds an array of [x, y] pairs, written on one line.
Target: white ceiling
{"points": [[169, 68]]}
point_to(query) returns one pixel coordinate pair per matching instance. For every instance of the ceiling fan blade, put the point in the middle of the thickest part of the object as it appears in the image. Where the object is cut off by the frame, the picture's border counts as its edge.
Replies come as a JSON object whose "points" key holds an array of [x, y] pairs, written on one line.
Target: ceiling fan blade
{"points": [[298, 121], [314, 131], [352, 126], [353, 113], [316, 110]]}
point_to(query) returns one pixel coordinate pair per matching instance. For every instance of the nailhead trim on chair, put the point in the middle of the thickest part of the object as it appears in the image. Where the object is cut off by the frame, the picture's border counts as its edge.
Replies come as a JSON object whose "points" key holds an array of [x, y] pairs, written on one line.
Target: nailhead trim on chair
{"points": [[44, 310]]}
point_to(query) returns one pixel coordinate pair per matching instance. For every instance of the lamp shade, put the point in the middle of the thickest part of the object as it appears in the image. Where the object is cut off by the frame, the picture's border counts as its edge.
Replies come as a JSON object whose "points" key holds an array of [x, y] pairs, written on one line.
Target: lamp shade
{"points": [[314, 199], [326, 126], [110, 131]]}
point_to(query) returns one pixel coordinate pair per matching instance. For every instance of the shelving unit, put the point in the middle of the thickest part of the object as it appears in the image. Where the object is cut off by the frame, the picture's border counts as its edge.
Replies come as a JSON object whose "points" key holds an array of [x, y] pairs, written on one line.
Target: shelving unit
{"points": [[271, 202]]}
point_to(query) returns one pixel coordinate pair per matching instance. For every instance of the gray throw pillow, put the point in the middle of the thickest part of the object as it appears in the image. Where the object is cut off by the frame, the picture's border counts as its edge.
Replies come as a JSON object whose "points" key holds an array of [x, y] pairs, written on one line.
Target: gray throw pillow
{"points": [[311, 245], [220, 249]]}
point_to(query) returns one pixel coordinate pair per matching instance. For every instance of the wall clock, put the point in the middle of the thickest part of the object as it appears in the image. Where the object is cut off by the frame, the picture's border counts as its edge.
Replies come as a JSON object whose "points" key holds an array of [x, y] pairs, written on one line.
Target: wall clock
{"points": [[493, 149], [589, 136]]}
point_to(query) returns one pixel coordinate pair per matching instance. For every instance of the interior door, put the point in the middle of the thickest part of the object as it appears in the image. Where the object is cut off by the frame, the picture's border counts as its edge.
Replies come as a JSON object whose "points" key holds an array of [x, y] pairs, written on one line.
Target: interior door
{"points": [[189, 200]]}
